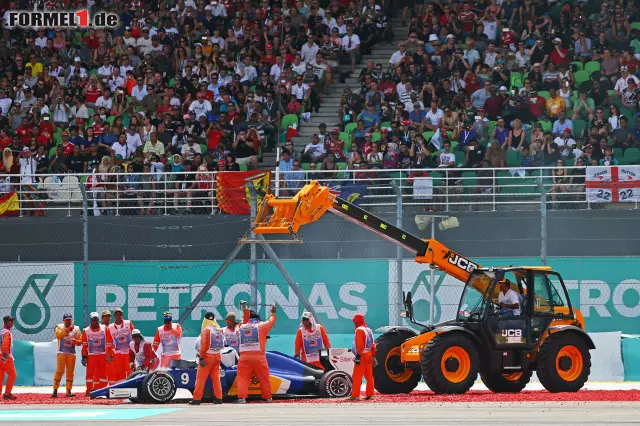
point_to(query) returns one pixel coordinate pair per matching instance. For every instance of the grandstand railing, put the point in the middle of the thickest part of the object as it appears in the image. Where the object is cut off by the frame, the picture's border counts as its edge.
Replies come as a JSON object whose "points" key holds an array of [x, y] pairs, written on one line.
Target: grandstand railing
{"points": [[442, 189]]}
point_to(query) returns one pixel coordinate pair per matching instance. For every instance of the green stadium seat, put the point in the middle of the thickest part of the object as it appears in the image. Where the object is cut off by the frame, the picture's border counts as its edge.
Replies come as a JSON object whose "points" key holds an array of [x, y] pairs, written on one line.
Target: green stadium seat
{"points": [[437, 178], [469, 182], [459, 158], [350, 127], [632, 155], [578, 66], [544, 94], [581, 77], [513, 158], [578, 127], [592, 66], [243, 167], [547, 125], [375, 136]]}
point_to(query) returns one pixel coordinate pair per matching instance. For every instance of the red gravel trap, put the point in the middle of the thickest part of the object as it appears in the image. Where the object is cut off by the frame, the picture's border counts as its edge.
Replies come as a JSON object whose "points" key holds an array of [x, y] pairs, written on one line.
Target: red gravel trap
{"points": [[414, 397]]}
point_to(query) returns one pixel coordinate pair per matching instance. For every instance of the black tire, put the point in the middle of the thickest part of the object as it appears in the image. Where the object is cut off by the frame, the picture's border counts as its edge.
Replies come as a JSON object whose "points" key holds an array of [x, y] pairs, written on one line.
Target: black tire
{"points": [[140, 398], [498, 383], [432, 361], [548, 363], [158, 387], [335, 384], [389, 365]]}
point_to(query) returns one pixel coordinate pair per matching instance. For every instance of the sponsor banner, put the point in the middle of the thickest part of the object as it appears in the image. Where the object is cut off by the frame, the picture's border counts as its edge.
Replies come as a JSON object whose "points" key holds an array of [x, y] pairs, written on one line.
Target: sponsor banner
{"points": [[37, 295], [606, 290], [144, 290]]}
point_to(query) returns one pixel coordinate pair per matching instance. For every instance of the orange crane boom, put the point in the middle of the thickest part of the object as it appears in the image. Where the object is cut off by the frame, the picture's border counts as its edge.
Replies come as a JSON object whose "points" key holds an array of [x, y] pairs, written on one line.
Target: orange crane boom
{"points": [[286, 216]]}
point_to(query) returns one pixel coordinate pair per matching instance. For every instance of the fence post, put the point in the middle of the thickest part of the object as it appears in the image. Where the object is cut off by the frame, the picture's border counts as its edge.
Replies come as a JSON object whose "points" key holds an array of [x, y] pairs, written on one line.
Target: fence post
{"points": [[85, 252], [277, 172], [543, 222], [253, 256], [399, 255]]}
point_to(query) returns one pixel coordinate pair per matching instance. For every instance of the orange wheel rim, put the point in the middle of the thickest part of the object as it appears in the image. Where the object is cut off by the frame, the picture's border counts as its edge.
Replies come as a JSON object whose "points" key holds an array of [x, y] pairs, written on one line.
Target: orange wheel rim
{"points": [[574, 370], [512, 377], [457, 359], [402, 376]]}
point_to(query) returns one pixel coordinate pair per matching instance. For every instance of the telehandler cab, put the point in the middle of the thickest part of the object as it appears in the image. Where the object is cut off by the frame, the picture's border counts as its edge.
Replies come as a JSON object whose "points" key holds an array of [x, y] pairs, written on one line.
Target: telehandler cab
{"points": [[546, 335]]}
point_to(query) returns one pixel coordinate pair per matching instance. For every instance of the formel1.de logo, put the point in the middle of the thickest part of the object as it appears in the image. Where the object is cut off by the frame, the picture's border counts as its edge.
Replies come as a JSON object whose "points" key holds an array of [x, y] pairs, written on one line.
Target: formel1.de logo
{"points": [[61, 19]]}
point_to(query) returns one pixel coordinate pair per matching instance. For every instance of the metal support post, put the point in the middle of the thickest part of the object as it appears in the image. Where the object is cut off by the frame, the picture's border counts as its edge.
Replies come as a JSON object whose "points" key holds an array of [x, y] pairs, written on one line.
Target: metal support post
{"points": [[395, 316], [230, 258], [253, 257], [285, 274], [432, 280], [543, 222], [85, 253]]}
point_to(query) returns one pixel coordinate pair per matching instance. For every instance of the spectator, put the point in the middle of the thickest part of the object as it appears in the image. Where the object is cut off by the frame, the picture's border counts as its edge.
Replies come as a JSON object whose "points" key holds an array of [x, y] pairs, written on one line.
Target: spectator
{"points": [[495, 155], [566, 143]]}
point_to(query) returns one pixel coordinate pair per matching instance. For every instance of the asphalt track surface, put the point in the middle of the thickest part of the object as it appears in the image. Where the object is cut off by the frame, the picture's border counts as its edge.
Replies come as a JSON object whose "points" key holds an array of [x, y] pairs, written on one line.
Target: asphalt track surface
{"points": [[369, 413]]}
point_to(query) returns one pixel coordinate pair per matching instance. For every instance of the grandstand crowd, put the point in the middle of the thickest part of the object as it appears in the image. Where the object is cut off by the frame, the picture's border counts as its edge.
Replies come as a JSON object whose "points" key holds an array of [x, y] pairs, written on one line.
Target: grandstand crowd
{"points": [[204, 86]]}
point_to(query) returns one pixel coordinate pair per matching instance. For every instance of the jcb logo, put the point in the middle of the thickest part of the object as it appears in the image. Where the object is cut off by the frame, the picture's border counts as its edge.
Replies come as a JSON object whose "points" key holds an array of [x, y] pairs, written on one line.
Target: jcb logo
{"points": [[461, 262], [511, 333]]}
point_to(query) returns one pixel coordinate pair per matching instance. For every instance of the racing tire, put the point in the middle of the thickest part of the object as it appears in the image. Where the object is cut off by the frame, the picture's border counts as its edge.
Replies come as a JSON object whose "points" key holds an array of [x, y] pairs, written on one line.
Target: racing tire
{"points": [[563, 362], [335, 384], [140, 397], [390, 375], [506, 383], [450, 363], [158, 388]]}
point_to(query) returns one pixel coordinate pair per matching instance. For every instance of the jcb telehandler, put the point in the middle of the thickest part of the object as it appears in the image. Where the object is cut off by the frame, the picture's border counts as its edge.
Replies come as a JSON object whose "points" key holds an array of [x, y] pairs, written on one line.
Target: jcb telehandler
{"points": [[547, 335]]}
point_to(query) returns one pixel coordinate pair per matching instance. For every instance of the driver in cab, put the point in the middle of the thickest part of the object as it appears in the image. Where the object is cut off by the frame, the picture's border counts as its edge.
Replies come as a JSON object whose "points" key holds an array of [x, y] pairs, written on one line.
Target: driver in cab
{"points": [[508, 300]]}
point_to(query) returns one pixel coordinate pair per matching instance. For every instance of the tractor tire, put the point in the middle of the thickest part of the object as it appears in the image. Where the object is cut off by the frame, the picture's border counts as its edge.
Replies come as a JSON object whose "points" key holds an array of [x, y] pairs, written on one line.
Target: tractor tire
{"points": [[506, 383], [390, 375], [335, 384], [450, 364], [563, 362], [158, 387]]}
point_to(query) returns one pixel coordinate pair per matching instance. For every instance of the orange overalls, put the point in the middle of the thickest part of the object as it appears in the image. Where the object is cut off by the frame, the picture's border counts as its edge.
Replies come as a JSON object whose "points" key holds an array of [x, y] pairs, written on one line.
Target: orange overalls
{"points": [[109, 365], [94, 347], [170, 339], [211, 343], [310, 342], [253, 360], [118, 339], [365, 347], [66, 357], [7, 367]]}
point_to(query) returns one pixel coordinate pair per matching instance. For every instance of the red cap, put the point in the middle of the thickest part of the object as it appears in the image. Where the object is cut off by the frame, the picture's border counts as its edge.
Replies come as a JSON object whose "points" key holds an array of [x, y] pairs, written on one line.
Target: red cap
{"points": [[567, 130], [406, 122], [269, 46], [367, 134], [64, 133]]}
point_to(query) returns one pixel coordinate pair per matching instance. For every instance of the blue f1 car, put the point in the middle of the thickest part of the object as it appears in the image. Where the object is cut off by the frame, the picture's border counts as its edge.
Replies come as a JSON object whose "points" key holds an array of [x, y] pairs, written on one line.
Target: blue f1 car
{"points": [[289, 377]]}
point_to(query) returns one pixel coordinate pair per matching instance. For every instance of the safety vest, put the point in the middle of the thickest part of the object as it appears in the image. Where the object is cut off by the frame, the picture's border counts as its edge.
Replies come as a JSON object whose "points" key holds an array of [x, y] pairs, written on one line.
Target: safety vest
{"points": [[5, 332], [121, 337], [369, 342], [311, 343], [249, 337], [232, 338], [97, 340], [139, 354], [169, 340], [67, 345], [216, 340]]}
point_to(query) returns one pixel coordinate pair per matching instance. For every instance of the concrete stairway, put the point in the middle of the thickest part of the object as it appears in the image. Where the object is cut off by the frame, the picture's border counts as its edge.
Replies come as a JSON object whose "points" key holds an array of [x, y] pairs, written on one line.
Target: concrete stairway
{"points": [[329, 109]]}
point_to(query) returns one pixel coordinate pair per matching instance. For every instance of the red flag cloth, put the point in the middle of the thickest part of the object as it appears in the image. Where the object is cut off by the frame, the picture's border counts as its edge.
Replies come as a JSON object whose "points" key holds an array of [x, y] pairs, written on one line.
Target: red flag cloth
{"points": [[233, 194]]}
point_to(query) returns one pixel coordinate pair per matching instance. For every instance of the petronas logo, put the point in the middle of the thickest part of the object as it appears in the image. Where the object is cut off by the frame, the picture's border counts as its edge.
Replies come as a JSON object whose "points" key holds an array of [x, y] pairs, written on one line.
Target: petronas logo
{"points": [[31, 309]]}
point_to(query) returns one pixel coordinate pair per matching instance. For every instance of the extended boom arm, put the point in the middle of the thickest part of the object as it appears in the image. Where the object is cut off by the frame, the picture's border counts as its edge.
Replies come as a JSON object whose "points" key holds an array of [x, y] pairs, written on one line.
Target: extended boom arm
{"points": [[286, 216]]}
